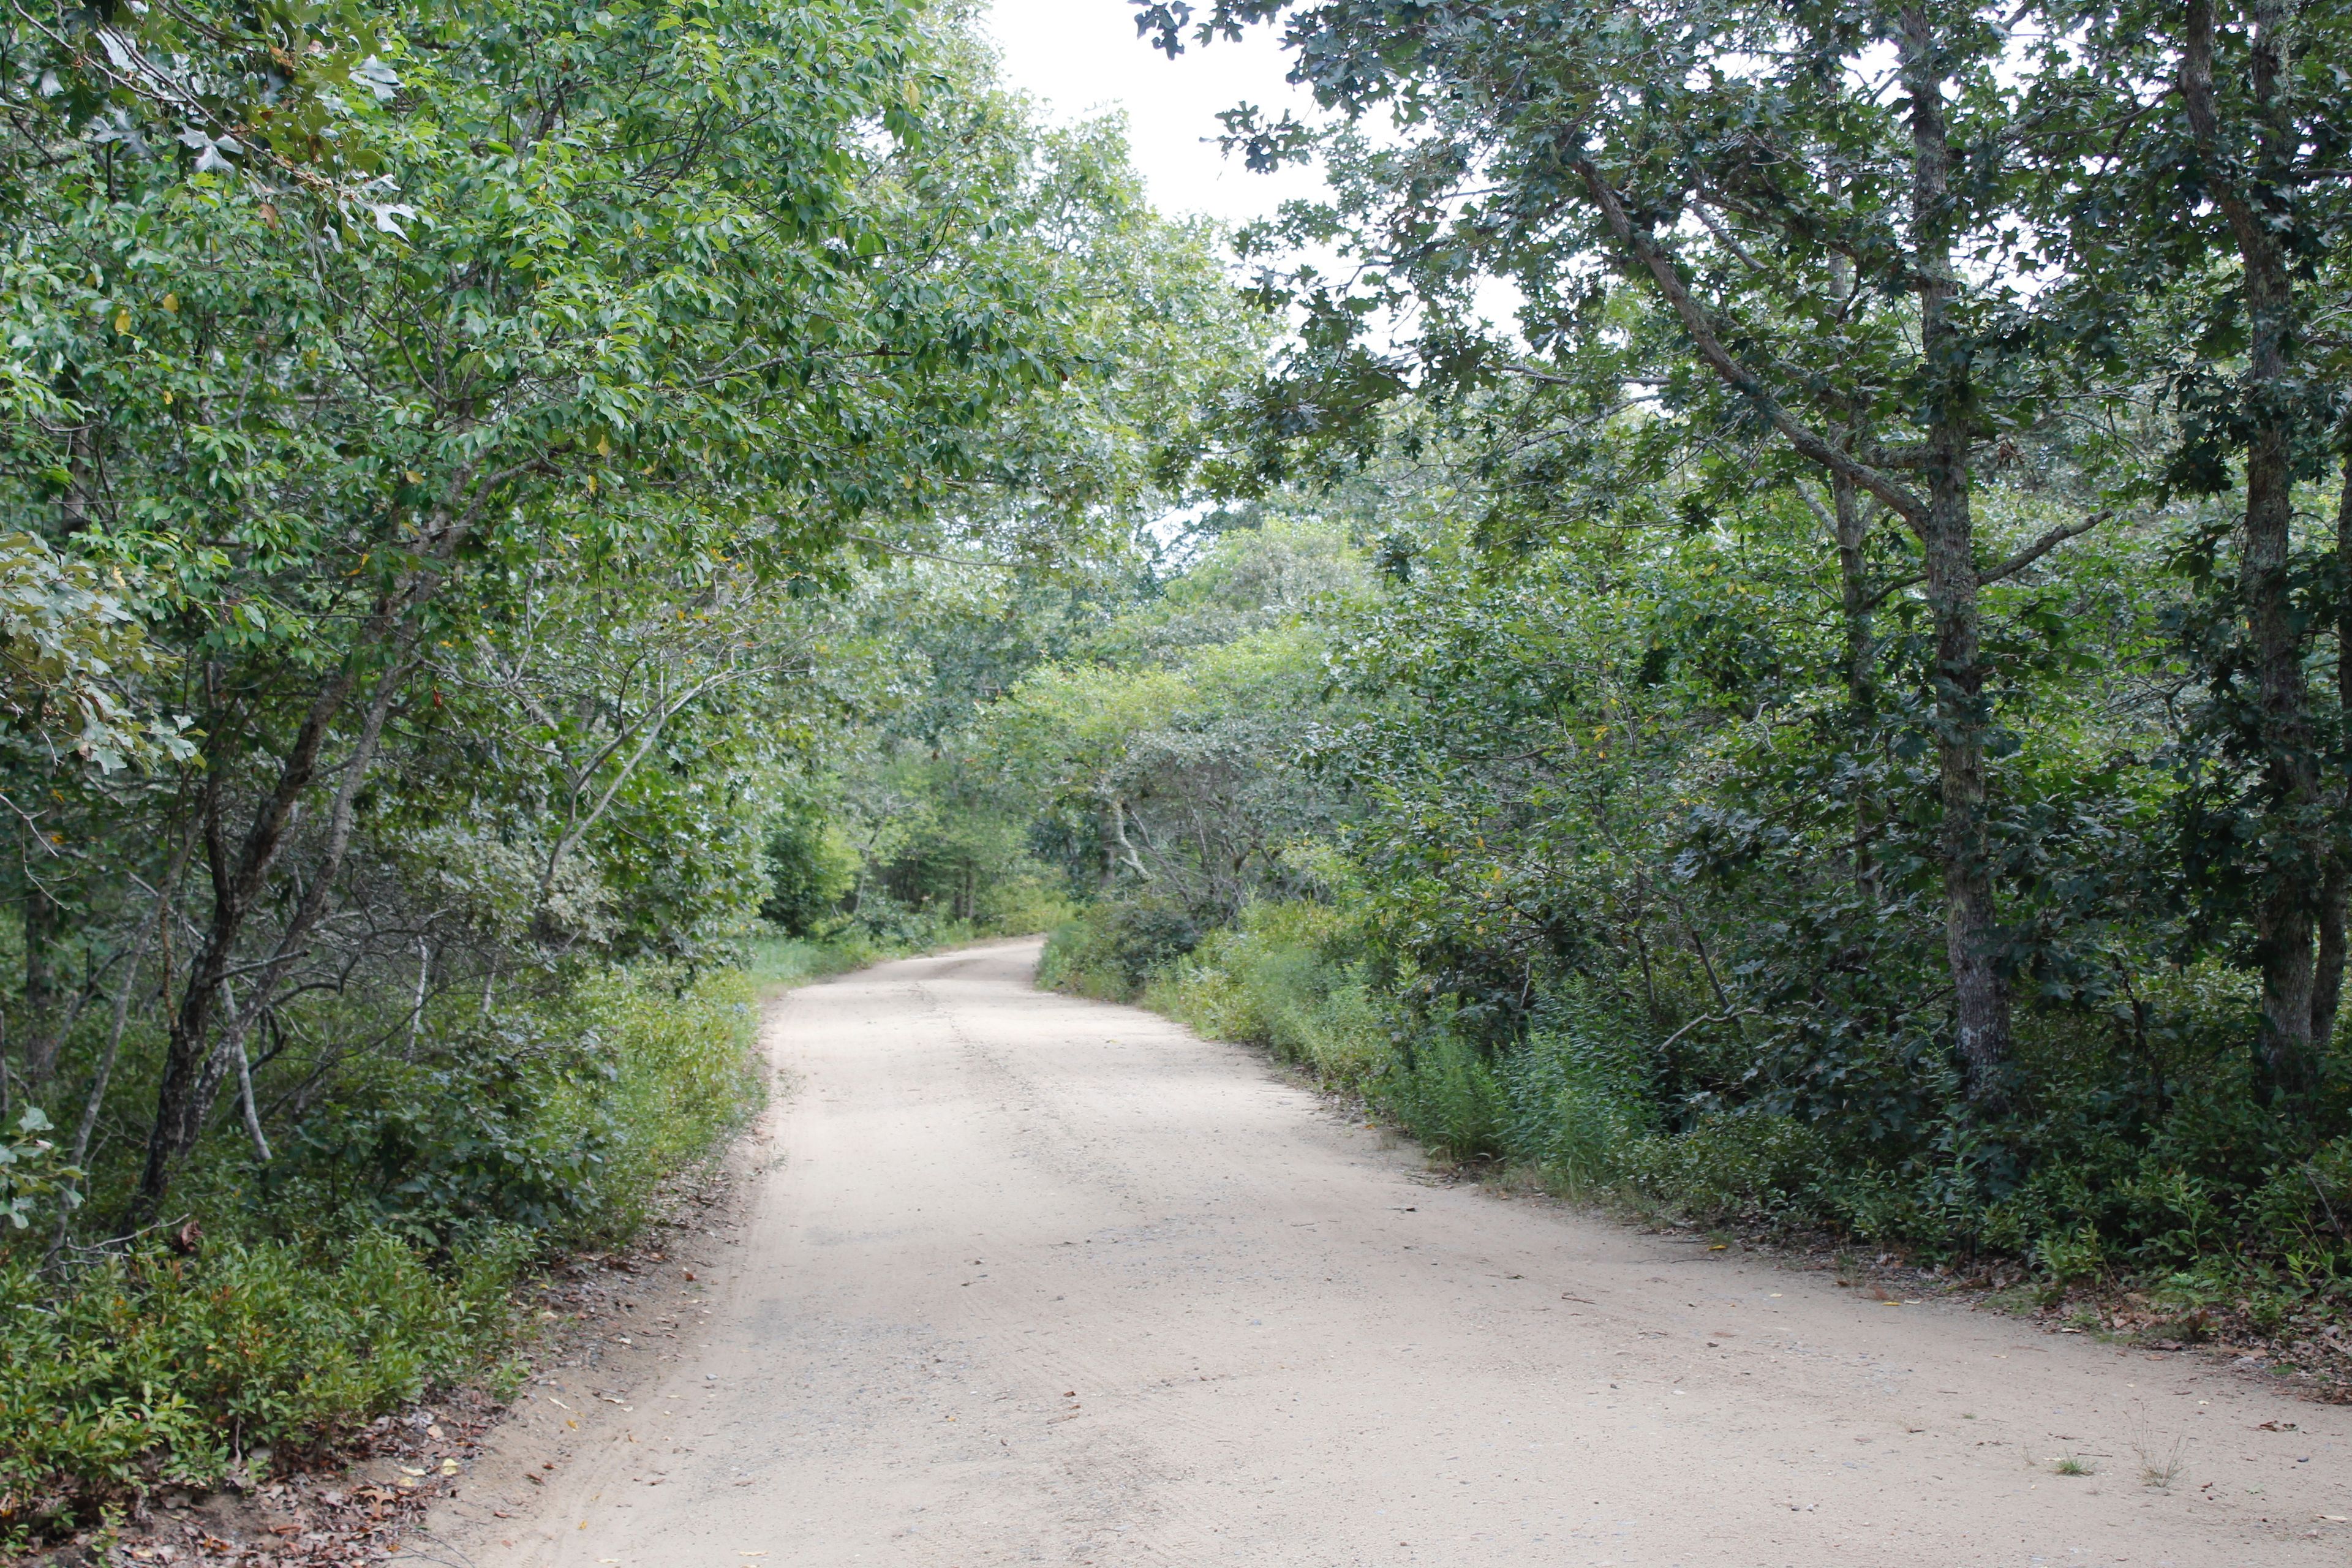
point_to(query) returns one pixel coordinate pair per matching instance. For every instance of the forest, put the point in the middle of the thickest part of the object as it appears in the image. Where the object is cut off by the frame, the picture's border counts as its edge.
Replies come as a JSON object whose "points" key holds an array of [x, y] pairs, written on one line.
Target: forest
{"points": [[1749, 618]]}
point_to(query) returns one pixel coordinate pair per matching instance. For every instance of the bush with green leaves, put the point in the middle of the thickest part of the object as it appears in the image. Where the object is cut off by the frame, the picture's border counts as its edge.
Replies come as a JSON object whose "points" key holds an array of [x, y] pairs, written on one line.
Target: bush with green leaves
{"points": [[811, 867], [1445, 1091], [374, 1258], [1577, 1112], [151, 1366], [1287, 976], [2203, 1197], [1114, 948], [562, 1119]]}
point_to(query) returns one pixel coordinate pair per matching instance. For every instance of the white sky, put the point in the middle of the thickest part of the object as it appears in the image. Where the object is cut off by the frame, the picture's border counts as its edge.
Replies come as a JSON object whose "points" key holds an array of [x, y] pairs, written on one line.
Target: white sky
{"points": [[1080, 57]]}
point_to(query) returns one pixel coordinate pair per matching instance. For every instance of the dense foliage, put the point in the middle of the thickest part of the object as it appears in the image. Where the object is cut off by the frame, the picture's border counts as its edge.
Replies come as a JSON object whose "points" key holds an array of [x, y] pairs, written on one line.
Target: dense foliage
{"points": [[1840, 718], [1837, 713], [470, 476]]}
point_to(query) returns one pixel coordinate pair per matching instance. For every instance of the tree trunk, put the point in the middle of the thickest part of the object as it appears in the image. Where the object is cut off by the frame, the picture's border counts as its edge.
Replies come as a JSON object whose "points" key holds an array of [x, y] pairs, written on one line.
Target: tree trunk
{"points": [[1941, 519], [1117, 851], [44, 924], [2287, 916], [1851, 525], [2336, 886], [2287, 913], [1981, 993], [2328, 972], [195, 1065]]}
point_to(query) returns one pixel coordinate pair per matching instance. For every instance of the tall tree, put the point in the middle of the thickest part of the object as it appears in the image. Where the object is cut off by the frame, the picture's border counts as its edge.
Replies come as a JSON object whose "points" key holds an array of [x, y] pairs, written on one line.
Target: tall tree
{"points": [[1814, 195], [2188, 175], [704, 299]]}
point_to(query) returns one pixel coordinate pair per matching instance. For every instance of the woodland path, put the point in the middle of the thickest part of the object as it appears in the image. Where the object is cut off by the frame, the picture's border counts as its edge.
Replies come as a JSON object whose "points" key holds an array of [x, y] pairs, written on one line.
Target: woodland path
{"points": [[1031, 1280]]}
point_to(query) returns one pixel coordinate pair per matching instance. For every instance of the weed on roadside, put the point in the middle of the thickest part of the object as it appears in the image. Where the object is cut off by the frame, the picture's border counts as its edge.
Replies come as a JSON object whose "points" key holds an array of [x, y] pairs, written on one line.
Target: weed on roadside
{"points": [[2159, 1468]]}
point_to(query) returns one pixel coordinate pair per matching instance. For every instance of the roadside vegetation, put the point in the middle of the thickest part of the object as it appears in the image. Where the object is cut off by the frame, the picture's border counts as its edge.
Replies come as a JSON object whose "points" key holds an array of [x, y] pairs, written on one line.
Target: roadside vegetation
{"points": [[501, 504], [1455, 902], [1834, 713], [526, 522]]}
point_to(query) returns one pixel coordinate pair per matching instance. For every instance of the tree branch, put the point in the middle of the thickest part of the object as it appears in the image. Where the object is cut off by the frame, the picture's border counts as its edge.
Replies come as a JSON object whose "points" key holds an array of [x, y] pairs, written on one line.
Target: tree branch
{"points": [[1645, 249], [2008, 568]]}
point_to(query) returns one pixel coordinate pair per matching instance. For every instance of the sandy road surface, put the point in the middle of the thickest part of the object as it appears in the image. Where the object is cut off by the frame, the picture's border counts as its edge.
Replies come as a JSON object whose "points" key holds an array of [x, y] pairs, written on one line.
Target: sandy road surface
{"points": [[1038, 1280]]}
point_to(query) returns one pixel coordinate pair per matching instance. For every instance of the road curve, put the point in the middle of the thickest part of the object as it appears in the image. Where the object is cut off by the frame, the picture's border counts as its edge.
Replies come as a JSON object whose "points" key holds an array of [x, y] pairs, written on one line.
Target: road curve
{"points": [[1037, 1280]]}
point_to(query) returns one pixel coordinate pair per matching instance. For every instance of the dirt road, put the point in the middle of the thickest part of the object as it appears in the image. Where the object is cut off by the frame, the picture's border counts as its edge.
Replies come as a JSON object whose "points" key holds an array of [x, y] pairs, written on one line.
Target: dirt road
{"points": [[1032, 1280]]}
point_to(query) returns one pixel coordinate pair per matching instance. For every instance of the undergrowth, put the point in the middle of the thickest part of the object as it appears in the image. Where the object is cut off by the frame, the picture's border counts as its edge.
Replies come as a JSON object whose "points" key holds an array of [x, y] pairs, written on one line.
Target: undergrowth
{"points": [[2197, 1213], [283, 1305]]}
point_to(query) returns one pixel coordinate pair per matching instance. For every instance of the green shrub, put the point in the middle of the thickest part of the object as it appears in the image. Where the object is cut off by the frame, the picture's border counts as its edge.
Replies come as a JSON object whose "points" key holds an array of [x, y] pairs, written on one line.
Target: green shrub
{"points": [[2192, 1177], [155, 1367], [684, 1078], [1286, 978], [883, 927], [773, 959], [1743, 1168], [1019, 905], [1576, 1112], [2067, 1256], [1445, 1094], [375, 1259], [562, 1118], [1112, 949], [811, 866], [1290, 976]]}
